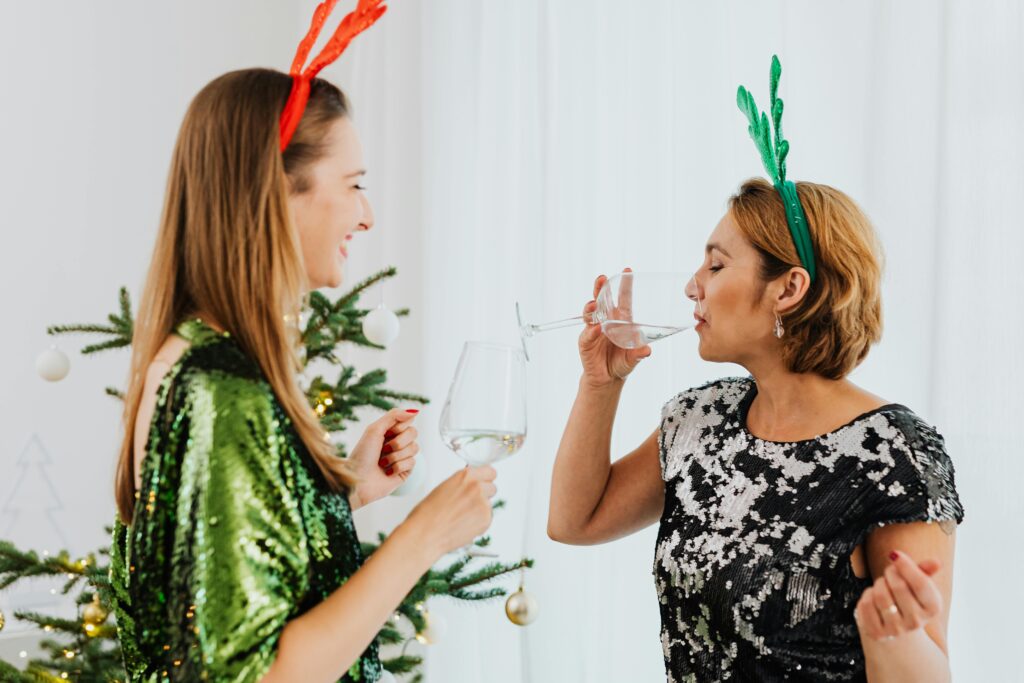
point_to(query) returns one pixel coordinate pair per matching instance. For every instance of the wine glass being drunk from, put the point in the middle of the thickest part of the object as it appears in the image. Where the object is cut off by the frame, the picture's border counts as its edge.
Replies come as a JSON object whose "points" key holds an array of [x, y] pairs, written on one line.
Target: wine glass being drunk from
{"points": [[633, 309]]}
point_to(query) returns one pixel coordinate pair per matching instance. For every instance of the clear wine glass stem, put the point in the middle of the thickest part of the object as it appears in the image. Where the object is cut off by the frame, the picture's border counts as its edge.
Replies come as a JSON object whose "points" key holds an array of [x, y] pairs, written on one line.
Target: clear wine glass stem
{"points": [[530, 330]]}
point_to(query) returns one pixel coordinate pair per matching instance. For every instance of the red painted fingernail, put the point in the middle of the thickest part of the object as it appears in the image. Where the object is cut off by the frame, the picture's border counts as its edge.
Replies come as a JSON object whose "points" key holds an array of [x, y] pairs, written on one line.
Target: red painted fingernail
{"points": [[383, 462], [386, 449], [412, 410], [894, 556], [389, 471], [388, 435]]}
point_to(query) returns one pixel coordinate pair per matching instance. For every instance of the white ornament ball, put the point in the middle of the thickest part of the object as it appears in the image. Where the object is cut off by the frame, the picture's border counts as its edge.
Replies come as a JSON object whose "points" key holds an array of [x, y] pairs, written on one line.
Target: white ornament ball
{"points": [[434, 631], [52, 365], [387, 677], [413, 483], [522, 608], [381, 326]]}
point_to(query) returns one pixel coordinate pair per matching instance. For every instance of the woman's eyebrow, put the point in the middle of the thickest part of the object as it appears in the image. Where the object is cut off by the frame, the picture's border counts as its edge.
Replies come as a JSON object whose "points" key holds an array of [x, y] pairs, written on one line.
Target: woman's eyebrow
{"points": [[717, 247]]}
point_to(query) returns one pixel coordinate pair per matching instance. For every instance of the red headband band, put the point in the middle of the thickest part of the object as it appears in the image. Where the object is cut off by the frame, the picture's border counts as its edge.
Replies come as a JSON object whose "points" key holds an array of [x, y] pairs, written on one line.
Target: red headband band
{"points": [[354, 23]]}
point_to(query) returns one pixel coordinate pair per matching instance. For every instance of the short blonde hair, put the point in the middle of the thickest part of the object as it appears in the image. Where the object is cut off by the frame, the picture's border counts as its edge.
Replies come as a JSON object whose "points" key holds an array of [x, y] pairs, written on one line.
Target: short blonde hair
{"points": [[832, 329]]}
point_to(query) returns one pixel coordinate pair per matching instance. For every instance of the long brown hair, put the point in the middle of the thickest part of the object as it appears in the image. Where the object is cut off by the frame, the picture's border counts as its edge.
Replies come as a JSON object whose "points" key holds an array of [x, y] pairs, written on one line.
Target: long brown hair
{"points": [[832, 329], [227, 246]]}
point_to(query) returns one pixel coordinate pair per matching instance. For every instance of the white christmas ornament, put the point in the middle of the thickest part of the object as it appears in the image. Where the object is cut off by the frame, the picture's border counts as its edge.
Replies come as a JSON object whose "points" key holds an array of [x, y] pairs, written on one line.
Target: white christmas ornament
{"points": [[413, 483], [387, 677], [381, 326], [52, 365]]}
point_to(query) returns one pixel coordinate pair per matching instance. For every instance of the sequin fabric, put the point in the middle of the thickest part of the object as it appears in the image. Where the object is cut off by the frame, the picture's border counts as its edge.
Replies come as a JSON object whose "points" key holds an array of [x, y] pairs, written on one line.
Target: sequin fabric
{"points": [[752, 564], [235, 530]]}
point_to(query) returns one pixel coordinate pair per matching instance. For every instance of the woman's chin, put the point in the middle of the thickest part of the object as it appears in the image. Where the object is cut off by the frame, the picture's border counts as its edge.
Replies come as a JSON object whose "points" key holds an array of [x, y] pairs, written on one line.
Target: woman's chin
{"points": [[337, 275], [705, 352], [330, 281]]}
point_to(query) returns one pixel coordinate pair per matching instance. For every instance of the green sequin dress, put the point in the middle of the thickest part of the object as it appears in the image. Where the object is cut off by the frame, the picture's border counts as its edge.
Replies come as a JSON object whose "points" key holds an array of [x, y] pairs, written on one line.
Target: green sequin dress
{"points": [[235, 530]]}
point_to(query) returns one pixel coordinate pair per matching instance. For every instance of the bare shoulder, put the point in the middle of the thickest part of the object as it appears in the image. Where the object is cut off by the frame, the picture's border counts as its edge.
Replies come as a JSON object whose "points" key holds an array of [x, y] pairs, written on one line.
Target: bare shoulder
{"points": [[169, 353], [862, 401]]}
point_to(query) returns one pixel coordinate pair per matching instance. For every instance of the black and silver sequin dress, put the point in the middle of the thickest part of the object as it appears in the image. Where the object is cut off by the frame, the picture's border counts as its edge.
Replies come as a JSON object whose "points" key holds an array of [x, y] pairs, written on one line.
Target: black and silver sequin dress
{"points": [[235, 531], [752, 565]]}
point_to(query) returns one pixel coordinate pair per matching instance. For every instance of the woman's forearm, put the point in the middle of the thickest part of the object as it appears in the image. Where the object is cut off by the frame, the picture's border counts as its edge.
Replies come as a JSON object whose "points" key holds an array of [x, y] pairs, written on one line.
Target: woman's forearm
{"points": [[583, 462], [910, 658], [323, 643]]}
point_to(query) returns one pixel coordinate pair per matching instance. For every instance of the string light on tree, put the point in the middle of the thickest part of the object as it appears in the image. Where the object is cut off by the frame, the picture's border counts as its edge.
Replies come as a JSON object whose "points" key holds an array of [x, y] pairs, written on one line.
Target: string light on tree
{"points": [[324, 401], [434, 628]]}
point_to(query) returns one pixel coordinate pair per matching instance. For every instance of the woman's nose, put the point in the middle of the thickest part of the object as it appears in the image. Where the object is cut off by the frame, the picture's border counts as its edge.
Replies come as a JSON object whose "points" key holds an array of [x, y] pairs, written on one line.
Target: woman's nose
{"points": [[692, 289], [367, 221]]}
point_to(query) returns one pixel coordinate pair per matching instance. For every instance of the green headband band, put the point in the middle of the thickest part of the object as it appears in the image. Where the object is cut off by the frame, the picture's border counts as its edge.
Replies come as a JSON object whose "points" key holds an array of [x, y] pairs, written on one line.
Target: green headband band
{"points": [[774, 159]]}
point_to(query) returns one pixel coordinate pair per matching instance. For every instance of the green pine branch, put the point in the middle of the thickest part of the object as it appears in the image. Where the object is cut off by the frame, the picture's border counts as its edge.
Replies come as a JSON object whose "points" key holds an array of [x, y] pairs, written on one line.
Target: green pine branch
{"points": [[333, 322], [16, 564], [120, 329], [402, 664]]}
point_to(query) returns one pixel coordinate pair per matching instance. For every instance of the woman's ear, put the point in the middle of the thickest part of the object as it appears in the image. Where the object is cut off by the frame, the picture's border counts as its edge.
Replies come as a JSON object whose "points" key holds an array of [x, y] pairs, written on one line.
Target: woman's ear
{"points": [[795, 284]]}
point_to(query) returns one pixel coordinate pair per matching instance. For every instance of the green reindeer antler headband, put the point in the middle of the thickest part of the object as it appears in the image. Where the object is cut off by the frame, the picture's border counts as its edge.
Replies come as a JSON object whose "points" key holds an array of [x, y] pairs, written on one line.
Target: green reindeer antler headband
{"points": [[774, 159]]}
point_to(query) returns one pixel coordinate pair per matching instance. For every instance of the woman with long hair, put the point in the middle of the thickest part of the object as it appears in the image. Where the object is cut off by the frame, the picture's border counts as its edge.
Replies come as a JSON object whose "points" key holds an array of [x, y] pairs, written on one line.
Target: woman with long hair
{"points": [[235, 557]]}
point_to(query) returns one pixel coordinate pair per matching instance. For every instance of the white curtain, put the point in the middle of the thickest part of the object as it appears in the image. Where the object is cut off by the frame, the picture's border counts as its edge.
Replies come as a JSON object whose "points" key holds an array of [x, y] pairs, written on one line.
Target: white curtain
{"points": [[546, 141]]}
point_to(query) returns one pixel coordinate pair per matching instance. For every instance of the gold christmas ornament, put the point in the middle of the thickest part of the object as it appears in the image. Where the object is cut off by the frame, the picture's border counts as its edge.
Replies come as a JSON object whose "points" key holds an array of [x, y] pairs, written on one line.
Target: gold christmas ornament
{"points": [[522, 608], [1, 621], [93, 613]]}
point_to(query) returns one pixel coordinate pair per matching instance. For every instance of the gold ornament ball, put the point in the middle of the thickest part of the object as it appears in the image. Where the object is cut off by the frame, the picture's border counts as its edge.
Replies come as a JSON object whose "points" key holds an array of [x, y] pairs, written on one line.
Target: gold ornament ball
{"points": [[93, 613], [522, 608], [1, 621]]}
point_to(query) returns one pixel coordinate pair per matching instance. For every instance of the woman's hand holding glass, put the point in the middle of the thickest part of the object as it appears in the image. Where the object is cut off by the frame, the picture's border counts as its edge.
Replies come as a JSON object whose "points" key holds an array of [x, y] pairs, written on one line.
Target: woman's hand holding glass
{"points": [[605, 363]]}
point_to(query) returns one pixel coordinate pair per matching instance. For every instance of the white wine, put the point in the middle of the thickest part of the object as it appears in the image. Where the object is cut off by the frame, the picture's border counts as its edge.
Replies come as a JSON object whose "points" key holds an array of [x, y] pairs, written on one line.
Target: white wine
{"points": [[481, 446], [630, 335]]}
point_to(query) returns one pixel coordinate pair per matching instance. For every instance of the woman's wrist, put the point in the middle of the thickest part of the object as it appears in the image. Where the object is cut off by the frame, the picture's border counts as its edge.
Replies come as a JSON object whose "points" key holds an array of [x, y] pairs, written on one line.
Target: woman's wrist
{"points": [[609, 389], [909, 657], [418, 541]]}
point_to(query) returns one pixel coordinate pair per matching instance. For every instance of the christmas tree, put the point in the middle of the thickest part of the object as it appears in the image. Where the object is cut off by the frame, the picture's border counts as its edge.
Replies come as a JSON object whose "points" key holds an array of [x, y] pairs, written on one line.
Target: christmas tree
{"points": [[85, 648]]}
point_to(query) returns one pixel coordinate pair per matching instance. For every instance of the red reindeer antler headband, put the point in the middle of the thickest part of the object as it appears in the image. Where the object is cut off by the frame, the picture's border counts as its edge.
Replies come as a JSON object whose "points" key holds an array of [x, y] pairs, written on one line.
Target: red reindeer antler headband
{"points": [[354, 23]]}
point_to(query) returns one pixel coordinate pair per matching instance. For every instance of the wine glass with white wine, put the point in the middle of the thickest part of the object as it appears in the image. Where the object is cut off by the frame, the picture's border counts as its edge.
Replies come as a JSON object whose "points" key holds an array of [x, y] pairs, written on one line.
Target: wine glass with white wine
{"points": [[633, 309], [484, 418]]}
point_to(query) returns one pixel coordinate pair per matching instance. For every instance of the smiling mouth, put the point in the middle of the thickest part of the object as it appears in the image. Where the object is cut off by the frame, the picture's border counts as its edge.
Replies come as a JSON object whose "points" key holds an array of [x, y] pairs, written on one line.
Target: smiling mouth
{"points": [[699, 319]]}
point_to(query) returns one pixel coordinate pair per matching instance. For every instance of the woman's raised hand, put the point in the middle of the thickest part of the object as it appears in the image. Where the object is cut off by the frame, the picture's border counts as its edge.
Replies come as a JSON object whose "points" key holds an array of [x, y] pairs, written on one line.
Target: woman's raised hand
{"points": [[384, 456], [604, 363]]}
